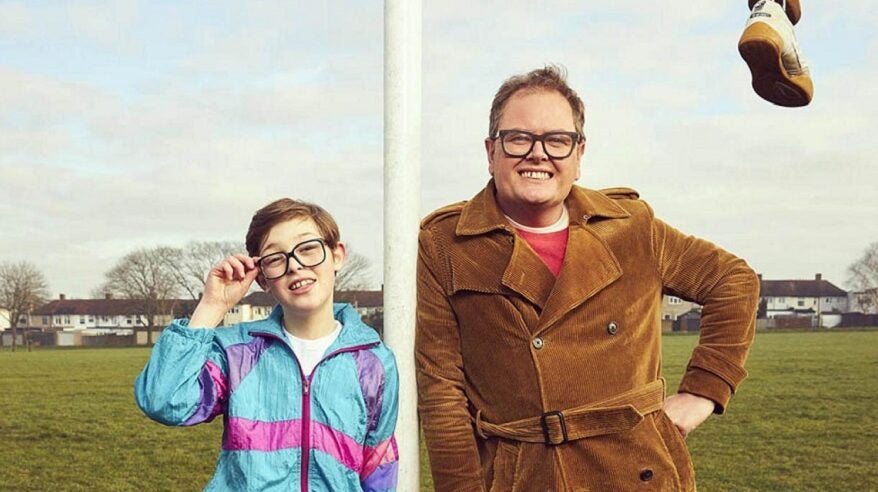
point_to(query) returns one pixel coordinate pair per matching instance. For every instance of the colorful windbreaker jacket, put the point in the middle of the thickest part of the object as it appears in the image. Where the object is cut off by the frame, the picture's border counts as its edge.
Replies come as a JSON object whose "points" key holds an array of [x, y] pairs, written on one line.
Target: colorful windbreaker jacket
{"points": [[330, 431]]}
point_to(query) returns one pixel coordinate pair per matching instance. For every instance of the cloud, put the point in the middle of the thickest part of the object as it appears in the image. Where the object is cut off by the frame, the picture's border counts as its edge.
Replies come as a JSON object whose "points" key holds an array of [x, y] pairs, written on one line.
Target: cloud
{"points": [[140, 123]]}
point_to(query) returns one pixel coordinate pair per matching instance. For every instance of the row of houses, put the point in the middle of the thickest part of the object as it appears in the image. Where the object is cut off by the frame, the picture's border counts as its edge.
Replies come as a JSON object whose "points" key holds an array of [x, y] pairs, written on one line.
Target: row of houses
{"points": [[103, 321], [783, 303], [807, 303]]}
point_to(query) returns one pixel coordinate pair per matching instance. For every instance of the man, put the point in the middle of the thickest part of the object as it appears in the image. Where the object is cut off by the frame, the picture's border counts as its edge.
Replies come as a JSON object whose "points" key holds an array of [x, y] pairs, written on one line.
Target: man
{"points": [[539, 302]]}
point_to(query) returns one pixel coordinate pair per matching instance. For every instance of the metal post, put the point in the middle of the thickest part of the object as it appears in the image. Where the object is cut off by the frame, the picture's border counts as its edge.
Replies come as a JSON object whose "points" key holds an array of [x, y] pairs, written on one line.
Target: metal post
{"points": [[402, 182]]}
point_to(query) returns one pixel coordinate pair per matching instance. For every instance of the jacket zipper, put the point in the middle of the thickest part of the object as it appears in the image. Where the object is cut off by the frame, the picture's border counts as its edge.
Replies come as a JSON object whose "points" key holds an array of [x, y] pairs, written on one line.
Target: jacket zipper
{"points": [[306, 426], [306, 407], [306, 400]]}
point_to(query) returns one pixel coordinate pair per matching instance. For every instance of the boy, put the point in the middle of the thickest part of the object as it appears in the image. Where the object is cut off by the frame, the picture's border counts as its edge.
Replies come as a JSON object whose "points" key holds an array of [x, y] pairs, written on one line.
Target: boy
{"points": [[308, 395]]}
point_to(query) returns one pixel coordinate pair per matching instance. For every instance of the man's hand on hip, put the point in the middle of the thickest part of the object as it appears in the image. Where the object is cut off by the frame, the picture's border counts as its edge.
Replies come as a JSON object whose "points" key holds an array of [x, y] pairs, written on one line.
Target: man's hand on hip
{"points": [[687, 411]]}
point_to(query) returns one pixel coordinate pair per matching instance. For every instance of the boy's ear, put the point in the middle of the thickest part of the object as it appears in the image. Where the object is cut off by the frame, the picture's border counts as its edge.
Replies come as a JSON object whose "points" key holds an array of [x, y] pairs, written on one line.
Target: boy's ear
{"points": [[339, 255], [262, 282]]}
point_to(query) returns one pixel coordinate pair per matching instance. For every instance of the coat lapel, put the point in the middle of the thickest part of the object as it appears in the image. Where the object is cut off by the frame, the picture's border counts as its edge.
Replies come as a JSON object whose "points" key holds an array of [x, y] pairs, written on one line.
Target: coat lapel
{"points": [[527, 275], [524, 273], [589, 264]]}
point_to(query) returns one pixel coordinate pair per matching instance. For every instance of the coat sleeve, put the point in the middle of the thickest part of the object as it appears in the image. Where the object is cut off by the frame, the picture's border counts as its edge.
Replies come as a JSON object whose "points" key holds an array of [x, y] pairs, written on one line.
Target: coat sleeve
{"points": [[185, 380], [381, 454], [728, 290], [442, 402]]}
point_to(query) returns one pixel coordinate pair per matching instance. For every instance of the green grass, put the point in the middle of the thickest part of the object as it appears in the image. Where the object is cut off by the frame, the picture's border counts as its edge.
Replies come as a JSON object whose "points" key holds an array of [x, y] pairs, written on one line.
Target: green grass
{"points": [[805, 419]]}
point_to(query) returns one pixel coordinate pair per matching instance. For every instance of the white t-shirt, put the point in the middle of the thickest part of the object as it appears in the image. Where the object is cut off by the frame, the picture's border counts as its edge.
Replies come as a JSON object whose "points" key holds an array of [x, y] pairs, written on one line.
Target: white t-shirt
{"points": [[309, 352]]}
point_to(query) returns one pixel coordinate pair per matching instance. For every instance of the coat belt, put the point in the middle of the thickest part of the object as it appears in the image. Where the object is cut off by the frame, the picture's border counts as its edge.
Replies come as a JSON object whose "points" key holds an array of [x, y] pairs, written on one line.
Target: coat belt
{"points": [[619, 413]]}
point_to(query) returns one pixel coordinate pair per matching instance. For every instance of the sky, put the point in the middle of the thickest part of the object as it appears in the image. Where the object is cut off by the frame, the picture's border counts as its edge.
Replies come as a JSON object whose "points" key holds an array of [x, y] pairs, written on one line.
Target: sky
{"points": [[132, 124]]}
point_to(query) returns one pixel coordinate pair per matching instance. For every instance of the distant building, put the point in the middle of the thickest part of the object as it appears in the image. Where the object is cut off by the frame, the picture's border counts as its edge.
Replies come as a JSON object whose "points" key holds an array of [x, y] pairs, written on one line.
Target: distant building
{"points": [[818, 299], [865, 302], [258, 305], [674, 307], [103, 316], [4, 319], [253, 306]]}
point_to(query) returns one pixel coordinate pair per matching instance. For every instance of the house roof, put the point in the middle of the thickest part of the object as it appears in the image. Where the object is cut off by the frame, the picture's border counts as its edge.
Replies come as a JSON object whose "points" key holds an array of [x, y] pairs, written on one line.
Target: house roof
{"points": [[800, 288], [258, 299], [359, 298], [98, 307]]}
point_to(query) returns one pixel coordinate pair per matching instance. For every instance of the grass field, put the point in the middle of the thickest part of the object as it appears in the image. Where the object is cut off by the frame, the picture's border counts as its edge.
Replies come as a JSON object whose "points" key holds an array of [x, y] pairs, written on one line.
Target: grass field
{"points": [[804, 420]]}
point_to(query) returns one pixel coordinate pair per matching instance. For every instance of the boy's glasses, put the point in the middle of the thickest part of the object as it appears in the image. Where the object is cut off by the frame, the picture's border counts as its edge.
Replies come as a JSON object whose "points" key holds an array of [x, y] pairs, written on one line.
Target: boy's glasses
{"points": [[308, 253]]}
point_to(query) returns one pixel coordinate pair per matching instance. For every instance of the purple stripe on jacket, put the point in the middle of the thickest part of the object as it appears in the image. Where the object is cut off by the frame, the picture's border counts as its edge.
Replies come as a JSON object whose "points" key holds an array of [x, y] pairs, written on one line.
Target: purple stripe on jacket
{"points": [[242, 358], [371, 375], [383, 478], [213, 391], [381, 454]]}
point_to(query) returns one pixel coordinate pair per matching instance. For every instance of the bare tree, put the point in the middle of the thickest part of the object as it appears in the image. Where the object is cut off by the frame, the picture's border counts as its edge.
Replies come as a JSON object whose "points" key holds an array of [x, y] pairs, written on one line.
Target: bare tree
{"points": [[356, 274], [191, 263], [23, 288], [146, 275], [863, 277]]}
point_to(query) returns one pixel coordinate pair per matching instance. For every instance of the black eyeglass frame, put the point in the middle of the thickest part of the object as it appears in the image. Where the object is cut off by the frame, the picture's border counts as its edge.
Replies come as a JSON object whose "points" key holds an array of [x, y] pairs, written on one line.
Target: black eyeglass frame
{"points": [[292, 254], [577, 137]]}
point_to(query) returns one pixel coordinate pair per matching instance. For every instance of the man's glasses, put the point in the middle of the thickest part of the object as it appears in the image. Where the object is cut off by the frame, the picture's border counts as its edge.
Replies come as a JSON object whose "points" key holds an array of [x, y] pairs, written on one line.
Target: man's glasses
{"points": [[519, 143], [308, 253]]}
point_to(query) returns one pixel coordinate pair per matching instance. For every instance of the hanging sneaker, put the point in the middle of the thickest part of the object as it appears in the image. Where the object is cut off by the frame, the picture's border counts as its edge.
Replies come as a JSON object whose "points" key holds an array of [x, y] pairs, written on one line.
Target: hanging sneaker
{"points": [[769, 47], [792, 8]]}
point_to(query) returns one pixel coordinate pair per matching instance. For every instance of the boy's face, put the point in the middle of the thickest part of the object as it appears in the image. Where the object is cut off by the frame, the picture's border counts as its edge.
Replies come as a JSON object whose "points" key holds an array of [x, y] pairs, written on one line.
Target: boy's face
{"points": [[302, 290]]}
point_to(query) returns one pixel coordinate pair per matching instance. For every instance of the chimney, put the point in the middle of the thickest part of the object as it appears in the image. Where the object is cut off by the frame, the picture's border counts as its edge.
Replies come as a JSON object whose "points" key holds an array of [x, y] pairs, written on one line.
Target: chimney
{"points": [[108, 295], [62, 296], [818, 277]]}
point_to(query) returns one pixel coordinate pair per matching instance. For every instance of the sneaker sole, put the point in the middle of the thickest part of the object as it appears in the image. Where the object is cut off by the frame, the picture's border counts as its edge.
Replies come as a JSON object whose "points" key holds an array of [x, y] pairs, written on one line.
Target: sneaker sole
{"points": [[794, 10], [760, 46]]}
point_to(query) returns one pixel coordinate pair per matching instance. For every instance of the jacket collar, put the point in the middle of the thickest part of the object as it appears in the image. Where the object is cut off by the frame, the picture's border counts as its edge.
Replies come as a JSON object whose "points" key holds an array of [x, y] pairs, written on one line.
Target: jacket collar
{"points": [[353, 331], [482, 214]]}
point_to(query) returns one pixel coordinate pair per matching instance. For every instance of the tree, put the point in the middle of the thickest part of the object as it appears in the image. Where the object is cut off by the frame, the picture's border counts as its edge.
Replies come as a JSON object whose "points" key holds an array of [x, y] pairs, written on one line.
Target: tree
{"points": [[356, 274], [192, 262], [146, 275], [23, 288], [863, 277]]}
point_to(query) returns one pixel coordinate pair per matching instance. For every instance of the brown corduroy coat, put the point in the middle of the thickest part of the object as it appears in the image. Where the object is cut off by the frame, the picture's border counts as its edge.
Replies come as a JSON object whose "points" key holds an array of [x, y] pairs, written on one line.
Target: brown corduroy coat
{"points": [[499, 337]]}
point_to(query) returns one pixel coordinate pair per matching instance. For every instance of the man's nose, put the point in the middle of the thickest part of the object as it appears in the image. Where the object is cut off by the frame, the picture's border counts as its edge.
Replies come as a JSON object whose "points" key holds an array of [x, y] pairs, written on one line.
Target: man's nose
{"points": [[538, 152]]}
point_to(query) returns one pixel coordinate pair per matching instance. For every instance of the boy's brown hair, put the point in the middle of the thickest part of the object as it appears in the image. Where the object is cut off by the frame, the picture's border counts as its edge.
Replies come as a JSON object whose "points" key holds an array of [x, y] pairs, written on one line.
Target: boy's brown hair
{"points": [[548, 78], [288, 209]]}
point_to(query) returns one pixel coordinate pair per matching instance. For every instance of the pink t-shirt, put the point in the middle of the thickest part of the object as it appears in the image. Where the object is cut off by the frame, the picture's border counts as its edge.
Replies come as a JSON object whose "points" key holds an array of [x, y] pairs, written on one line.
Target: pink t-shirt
{"points": [[550, 247]]}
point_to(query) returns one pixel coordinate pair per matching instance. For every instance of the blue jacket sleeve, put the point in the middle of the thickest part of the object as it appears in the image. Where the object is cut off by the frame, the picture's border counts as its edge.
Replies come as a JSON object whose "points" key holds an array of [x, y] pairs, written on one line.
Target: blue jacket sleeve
{"points": [[381, 460], [185, 380]]}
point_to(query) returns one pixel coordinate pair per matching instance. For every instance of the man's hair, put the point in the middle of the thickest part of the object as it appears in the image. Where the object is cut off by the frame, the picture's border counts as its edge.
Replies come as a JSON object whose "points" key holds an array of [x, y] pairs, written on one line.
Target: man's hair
{"points": [[548, 78], [288, 209]]}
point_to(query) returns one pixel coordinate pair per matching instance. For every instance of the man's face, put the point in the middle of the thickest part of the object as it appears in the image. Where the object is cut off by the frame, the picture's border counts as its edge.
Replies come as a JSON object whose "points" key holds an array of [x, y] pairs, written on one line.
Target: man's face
{"points": [[534, 182]]}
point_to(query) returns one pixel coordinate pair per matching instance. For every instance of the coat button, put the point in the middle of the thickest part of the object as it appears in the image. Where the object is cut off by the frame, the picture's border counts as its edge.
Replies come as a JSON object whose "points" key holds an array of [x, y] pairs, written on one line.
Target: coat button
{"points": [[538, 343], [646, 475], [612, 328]]}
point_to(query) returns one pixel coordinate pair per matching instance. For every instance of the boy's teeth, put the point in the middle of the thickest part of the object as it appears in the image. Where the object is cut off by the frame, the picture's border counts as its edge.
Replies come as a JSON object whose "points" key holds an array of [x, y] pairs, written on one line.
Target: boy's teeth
{"points": [[536, 174], [302, 283]]}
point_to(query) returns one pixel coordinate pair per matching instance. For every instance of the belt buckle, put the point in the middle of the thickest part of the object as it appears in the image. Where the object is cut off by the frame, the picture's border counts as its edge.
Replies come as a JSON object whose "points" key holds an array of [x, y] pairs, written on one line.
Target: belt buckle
{"points": [[545, 425]]}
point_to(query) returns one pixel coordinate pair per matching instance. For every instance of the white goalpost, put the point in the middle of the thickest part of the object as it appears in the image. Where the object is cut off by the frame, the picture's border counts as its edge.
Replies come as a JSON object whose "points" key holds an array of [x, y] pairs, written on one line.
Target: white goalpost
{"points": [[402, 182]]}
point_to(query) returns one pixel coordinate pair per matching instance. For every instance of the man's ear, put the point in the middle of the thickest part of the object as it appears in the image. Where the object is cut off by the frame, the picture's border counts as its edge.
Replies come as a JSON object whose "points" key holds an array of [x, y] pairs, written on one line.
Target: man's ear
{"points": [[489, 150], [580, 150], [339, 255]]}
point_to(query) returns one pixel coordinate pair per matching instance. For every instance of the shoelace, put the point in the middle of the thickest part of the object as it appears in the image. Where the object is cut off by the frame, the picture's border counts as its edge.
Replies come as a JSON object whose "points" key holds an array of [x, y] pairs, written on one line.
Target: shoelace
{"points": [[778, 20]]}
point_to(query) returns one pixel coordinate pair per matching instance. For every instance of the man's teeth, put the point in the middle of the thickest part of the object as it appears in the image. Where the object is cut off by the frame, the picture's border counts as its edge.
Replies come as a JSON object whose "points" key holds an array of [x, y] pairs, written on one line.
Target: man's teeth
{"points": [[536, 174], [301, 283]]}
